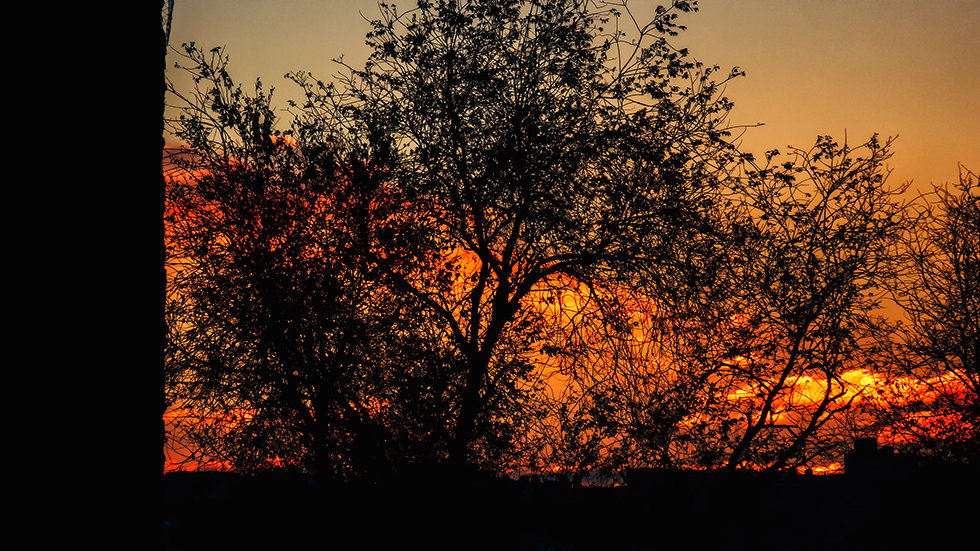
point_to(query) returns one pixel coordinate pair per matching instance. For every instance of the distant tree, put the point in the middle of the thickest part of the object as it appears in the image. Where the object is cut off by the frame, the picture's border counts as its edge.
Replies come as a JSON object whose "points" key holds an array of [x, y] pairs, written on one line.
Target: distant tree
{"points": [[559, 146], [931, 404], [286, 348]]}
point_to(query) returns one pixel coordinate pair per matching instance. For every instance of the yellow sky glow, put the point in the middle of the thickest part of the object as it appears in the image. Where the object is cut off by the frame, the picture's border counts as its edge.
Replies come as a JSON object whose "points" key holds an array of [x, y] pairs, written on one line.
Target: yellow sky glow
{"points": [[898, 67]]}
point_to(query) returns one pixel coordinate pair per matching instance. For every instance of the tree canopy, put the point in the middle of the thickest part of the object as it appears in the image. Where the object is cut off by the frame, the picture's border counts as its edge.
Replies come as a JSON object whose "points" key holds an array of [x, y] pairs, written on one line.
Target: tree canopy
{"points": [[521, 236]]}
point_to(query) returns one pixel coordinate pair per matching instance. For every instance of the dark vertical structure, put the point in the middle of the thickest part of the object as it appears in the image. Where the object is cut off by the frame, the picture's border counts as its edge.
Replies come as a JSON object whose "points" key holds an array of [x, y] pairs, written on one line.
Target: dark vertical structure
{"points": [[158, 230], [110, 283], [158, 225], [143, 186]]}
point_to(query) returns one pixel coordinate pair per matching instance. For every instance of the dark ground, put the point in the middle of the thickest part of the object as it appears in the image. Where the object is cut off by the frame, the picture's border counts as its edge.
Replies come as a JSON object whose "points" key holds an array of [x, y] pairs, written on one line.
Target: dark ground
{"points": [[935, 508]]}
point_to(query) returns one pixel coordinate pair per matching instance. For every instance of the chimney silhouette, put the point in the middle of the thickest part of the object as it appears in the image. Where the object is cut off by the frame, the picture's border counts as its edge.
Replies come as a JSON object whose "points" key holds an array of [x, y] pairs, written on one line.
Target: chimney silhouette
{"points": [[863, 459]]}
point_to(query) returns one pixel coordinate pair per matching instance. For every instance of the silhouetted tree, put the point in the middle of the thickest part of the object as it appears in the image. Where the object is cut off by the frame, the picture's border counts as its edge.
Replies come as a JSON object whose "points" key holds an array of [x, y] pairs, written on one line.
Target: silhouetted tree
{"points": [[559, 146], [747, 365], [808, 285], [931, 403], [286, 347]]}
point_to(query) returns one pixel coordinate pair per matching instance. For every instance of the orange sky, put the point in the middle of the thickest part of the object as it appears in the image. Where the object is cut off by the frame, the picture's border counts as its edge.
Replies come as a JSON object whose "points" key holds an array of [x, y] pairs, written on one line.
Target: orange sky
{"points": [[899, 67], [905, 67]]}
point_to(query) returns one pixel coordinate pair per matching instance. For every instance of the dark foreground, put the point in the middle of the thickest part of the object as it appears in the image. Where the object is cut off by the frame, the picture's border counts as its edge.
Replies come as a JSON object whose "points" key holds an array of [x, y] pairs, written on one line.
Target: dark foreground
{"points": [[934, 508]]}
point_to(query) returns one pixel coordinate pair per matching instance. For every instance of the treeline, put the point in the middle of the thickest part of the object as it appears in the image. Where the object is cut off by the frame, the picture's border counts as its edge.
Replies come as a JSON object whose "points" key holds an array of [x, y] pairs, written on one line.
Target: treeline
{"points": [[522, 238]]}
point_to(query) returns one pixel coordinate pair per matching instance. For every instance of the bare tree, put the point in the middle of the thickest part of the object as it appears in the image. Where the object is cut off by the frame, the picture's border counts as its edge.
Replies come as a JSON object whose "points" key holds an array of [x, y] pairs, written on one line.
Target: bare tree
{"points": [[931, 403], [754, 362], [814, 281], [796, 306]]}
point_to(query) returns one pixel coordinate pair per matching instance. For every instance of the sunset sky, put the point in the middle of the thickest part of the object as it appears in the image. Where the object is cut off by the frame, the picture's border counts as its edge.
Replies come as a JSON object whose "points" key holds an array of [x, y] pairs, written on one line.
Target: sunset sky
{"points": [[906, 68], [897, 67]]}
